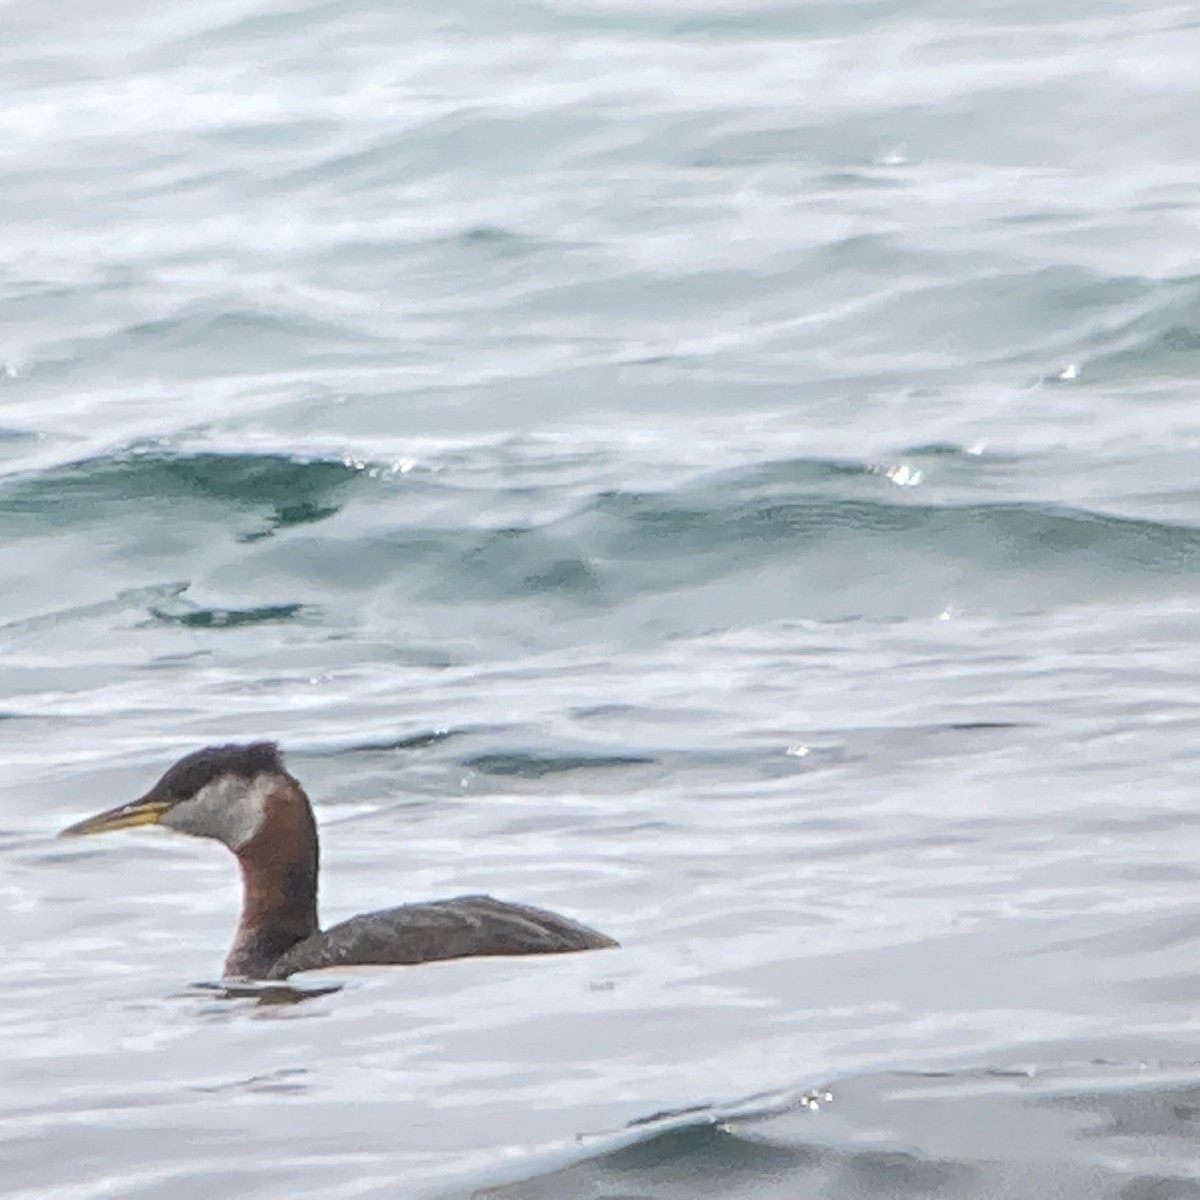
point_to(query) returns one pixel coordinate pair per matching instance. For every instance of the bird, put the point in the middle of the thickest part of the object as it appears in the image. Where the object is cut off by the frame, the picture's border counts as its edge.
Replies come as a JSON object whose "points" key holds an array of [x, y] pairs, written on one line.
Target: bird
{"points": [[243, 796]]}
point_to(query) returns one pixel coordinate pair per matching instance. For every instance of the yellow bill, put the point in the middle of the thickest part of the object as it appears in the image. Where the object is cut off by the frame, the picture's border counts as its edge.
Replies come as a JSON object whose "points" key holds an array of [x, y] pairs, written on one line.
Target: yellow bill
{"points": [[126, 816]]}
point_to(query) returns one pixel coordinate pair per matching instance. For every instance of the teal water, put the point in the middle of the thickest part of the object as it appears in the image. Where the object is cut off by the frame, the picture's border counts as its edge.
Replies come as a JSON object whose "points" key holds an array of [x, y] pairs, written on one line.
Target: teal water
{"points": [[726, 472]]}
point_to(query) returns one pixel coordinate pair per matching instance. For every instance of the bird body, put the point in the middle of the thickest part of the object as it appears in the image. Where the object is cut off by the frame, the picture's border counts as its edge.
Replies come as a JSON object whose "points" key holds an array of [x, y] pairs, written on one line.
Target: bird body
{"points": [[465, 927], [242, 796]]}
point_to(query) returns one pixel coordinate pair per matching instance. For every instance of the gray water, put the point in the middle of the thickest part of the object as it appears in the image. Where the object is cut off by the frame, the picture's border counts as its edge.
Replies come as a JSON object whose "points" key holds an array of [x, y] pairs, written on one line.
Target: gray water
{"points": [[724, 471]]}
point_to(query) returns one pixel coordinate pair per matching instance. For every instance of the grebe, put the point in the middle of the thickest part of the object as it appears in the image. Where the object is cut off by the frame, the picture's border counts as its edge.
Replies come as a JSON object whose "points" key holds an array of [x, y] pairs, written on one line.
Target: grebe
{"points": [[244, 797]]}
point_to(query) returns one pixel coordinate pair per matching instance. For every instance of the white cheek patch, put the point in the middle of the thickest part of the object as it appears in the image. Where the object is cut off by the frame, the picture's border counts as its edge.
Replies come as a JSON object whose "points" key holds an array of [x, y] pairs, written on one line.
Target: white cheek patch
{"points": [[229, 809]]}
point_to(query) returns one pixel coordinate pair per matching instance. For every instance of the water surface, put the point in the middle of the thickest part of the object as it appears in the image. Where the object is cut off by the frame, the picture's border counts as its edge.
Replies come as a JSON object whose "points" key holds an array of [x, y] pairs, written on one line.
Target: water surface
{"points": [[725, 472]]}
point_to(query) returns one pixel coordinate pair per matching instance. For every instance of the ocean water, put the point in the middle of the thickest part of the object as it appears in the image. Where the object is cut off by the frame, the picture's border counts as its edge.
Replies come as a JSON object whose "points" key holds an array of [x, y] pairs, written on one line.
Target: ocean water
{"points": [[726, 471]]}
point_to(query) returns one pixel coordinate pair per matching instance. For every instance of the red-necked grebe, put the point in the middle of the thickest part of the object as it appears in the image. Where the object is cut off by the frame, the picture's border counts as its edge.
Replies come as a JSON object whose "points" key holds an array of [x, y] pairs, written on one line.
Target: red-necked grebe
{"points": [[244, 797]]}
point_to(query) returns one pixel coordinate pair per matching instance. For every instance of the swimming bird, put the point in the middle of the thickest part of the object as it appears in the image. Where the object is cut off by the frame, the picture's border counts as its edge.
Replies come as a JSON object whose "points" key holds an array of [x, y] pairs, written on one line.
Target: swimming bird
{"points": [[244, 797]]}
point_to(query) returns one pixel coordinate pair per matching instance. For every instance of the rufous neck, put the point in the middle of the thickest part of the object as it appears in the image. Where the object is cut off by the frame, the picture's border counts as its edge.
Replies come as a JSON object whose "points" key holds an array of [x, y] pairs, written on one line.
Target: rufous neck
{"points": [[279, 865]]}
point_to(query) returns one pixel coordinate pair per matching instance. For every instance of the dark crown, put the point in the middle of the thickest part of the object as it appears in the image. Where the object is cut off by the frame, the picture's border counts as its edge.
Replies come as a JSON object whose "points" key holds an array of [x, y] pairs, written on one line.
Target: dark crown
{"points": [[196, 770]]}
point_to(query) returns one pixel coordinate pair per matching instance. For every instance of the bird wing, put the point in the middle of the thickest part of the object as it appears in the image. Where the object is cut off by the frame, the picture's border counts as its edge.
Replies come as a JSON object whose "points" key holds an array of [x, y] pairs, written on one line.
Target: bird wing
{"points": [[464, 927]]}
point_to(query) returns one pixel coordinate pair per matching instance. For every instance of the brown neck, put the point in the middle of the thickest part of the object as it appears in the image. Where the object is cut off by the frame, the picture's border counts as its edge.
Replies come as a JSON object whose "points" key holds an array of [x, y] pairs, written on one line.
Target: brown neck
{"points": [[279, 883]]}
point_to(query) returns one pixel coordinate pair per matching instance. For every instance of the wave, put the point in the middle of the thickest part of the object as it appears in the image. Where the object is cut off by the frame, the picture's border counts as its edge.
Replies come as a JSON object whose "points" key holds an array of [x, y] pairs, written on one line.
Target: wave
{"points": [[821, 539], [229, 618], [286, 490], [529, 765], [1103, 1129]]}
